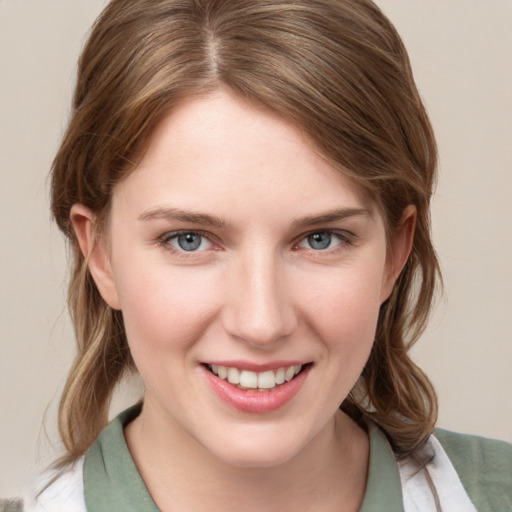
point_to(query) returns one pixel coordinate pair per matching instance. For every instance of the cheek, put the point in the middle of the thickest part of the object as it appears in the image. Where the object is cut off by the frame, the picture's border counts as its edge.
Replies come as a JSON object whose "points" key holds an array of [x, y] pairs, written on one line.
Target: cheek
{"points": [[164, 308], [344, 310]]}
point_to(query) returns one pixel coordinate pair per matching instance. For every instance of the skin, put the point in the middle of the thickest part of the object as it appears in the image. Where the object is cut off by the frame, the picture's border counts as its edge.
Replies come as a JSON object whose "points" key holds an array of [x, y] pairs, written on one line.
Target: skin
{"points": [[255, 290]]}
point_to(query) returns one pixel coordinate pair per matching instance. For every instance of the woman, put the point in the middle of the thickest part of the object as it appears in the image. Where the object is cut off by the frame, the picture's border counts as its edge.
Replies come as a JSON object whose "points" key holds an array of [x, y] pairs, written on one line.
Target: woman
{"points": [[245, 187]]}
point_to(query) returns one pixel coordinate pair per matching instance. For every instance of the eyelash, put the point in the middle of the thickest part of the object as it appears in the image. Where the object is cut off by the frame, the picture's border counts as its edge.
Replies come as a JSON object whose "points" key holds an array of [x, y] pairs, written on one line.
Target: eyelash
{"points": [[165, 241], [346, 239]]}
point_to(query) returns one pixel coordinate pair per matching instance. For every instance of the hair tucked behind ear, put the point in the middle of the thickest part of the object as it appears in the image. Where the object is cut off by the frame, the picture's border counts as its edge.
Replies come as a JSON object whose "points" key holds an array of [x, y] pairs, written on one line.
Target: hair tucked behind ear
{"points": [[338, 70]]}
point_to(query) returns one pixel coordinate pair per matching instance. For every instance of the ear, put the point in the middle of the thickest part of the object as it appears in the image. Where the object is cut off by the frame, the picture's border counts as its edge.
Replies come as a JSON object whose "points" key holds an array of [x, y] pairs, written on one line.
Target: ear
{"points": [[401, 241], [95, 253]]}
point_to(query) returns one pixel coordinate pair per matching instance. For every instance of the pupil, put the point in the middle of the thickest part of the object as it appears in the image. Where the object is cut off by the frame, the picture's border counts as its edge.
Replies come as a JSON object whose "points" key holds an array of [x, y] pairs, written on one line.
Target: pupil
{"points": [[319, 241], [189, 242]]}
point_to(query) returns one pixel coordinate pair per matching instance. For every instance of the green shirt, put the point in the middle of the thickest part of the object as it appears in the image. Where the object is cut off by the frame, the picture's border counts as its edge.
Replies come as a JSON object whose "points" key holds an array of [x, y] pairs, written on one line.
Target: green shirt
{"points": [[112, 481]]}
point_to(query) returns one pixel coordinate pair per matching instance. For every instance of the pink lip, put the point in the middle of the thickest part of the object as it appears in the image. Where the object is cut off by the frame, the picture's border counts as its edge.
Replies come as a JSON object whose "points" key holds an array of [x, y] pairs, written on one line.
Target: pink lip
{"points": [[256, 401]]}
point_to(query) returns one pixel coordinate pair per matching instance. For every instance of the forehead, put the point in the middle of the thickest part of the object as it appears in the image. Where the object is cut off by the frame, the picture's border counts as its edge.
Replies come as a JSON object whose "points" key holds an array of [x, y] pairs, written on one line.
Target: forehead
{"points": [[219, 152]]}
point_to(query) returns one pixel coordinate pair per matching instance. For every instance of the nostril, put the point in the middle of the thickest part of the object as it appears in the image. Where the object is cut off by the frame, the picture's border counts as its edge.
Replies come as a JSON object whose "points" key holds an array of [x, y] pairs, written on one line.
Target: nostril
{"points": [[261, 328]]}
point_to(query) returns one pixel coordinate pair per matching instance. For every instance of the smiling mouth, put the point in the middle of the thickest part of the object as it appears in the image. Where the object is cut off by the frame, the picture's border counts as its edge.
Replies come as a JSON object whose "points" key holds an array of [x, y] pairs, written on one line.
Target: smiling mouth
{"points": [[256, 381]]}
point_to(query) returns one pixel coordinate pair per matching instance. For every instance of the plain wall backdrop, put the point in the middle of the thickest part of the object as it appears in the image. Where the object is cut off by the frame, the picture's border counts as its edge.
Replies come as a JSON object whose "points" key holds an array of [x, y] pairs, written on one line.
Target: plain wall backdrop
{"points": [[461, 52]]}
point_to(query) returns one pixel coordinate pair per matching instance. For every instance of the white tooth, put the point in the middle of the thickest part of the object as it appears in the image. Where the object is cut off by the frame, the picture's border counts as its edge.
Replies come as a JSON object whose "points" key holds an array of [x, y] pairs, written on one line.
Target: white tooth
{"points": [[280, 375], [297, 368], [248, 379], [266, 380], [215, 369], [290, 373], [223, 372], [233, 375]]}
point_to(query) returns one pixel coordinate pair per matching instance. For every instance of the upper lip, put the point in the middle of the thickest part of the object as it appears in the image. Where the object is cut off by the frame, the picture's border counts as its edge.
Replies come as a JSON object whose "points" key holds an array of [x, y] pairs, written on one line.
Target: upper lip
{"points": [[257, 367]]}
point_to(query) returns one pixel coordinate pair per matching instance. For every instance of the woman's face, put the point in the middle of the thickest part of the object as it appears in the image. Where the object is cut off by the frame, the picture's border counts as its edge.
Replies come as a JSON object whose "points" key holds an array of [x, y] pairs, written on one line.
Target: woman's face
{"points": [[238, 257]]}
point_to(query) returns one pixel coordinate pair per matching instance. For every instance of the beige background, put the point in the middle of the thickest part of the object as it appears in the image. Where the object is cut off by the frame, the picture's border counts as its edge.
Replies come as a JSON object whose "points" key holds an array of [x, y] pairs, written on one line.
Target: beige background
{"points": [[461, 53]]}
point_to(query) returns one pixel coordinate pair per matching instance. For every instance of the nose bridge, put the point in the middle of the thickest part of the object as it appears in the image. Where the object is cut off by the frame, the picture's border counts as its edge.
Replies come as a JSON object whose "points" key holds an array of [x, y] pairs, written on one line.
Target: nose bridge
{"points": [[258, 310]]}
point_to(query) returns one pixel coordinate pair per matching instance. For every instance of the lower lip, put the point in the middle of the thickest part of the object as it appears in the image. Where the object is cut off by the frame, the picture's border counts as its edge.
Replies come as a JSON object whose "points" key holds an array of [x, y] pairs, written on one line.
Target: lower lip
{"points": [[257, 401]]}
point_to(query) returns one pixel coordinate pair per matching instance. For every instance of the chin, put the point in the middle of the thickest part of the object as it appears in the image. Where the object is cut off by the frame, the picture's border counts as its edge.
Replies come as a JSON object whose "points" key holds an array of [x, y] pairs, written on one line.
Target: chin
{"points": [[257, 452]]}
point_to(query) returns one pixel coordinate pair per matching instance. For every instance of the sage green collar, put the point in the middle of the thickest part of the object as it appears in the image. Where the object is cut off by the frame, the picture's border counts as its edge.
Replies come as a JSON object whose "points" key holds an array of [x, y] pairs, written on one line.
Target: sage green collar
{"points": [[383, 488], [112, 481]]}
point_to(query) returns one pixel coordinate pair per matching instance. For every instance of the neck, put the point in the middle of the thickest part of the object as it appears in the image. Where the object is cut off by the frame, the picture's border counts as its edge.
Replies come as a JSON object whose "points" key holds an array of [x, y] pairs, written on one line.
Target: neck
{"points": [[330, 471]]}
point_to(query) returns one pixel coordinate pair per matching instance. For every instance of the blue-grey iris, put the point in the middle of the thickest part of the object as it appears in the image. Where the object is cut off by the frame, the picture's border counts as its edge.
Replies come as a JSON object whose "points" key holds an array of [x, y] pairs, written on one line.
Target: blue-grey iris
{"points": [[189, 241], [319, 241]]}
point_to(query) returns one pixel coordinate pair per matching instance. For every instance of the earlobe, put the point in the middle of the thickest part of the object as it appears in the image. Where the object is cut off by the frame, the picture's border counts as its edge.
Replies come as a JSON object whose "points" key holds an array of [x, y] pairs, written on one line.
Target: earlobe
{"points": [[95, 252], [400, 248]]}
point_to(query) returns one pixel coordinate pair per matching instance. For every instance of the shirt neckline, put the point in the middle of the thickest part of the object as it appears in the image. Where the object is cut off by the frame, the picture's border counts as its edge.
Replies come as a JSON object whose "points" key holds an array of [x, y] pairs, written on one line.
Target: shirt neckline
{"points": [[112, 481]]}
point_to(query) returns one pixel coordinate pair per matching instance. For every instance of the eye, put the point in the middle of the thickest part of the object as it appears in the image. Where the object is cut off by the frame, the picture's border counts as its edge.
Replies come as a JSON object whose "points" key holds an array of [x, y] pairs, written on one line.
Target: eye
{"points": [[323, 240], [188, 241]]}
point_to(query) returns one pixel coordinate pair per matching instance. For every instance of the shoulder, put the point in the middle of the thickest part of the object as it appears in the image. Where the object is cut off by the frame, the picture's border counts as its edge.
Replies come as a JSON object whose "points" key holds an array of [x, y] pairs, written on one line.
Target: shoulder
{"points": [[61, 492], [484, 466], [472, 454]]}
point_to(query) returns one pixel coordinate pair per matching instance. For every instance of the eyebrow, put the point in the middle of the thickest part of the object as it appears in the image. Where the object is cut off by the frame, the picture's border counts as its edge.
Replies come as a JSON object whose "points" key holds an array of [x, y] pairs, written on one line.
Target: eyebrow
{"points": [[173, 214], [204, 219], [331, 216]]}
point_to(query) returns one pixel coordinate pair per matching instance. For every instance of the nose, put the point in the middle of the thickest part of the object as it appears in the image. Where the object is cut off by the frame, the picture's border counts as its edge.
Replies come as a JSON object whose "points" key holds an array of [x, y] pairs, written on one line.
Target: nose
{"points": [[258, 309]]}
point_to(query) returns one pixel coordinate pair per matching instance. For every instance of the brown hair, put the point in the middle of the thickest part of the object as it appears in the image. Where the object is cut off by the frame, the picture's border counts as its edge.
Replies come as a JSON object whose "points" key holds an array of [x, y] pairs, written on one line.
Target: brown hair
{"points": [[338, 70]]}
